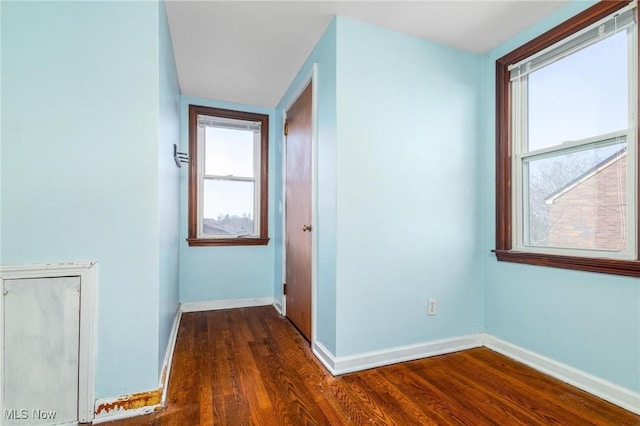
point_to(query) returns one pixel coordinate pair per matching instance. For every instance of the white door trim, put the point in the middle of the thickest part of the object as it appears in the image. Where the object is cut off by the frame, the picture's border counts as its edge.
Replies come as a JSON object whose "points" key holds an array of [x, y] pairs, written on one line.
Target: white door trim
{"points": [[87, 271], [283, 211], [311, 77]]}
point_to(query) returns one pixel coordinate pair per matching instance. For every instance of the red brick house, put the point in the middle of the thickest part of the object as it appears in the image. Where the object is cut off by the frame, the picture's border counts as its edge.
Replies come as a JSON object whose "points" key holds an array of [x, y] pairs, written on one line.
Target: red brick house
{"points": [[590, 211]]}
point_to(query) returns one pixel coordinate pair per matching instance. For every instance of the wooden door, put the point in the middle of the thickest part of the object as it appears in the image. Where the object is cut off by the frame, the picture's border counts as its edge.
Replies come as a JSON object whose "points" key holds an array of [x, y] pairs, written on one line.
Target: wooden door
{"points": [[42, 332], [298, 213]]}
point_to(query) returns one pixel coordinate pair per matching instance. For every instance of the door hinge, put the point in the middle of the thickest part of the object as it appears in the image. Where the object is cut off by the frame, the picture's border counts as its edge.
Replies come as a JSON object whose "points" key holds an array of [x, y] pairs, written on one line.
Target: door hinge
{"points": [[286, 128], [284, 288]]}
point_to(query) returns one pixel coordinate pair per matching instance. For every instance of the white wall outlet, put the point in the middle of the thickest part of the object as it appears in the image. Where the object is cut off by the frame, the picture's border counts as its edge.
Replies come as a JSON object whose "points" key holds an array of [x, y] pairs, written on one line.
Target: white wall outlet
{"points": [[432, 306]]}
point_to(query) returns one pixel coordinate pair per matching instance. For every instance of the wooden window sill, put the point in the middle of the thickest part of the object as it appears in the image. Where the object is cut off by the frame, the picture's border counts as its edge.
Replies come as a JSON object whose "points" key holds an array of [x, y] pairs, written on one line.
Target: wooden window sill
{"points": [[629, 268], [200, 242]]}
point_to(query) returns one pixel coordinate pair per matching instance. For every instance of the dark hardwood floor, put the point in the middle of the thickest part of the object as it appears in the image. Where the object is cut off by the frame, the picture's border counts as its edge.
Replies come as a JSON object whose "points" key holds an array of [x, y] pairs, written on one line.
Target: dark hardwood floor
{"points": [[251, 367]]}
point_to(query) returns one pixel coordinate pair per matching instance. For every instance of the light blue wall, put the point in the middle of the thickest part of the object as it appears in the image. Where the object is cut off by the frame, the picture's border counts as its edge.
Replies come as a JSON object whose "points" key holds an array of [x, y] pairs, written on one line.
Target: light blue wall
{"points": [[586, 320], [407, 192], [324, 55], [168, 183], [225, 272], [80, 165]]}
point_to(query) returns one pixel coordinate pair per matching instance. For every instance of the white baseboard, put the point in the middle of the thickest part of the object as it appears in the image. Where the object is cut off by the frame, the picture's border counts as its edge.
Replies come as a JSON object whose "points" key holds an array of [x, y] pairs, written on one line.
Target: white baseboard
{"points": [[278, 306], [214, 305], [364, 361], [326, 358], [119, 414], [168, 356], [608, 391], [117, 408], [123, 407]]}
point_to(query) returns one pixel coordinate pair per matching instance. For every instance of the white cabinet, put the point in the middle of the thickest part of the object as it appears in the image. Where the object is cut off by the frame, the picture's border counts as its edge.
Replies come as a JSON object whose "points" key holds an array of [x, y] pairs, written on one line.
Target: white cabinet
{"points": [[48, 344], [42, 335]]}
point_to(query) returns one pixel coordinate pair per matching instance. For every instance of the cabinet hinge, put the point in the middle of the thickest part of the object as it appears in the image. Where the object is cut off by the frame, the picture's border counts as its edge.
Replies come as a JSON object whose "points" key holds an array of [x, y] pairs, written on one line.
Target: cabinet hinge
{"points": [[286, 128], [284, 288]]}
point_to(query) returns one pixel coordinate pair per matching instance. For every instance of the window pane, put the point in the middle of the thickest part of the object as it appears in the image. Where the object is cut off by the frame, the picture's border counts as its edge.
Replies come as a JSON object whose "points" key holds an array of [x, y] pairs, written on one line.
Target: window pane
{"points": [[228, 152], [577, 200], [580, 96], [228, 207]]}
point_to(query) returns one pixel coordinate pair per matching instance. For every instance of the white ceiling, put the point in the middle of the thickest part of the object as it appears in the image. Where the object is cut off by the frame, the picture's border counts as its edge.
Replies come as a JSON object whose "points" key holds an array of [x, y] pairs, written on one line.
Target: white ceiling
{"points": [[248, 52]]}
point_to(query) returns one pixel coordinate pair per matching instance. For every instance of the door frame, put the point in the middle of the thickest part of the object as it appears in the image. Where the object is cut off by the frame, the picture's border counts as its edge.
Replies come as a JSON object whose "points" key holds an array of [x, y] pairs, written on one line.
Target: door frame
{"points": [[310, 77], [87, 272]]}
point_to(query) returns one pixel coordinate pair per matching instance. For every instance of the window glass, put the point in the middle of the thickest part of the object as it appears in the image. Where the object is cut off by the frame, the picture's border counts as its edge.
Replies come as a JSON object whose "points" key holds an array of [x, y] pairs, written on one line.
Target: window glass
{"points": [[228, 207], [580, 96], [229, 152], [228, 177], [571, 120], [577, 199], [566, 145]]}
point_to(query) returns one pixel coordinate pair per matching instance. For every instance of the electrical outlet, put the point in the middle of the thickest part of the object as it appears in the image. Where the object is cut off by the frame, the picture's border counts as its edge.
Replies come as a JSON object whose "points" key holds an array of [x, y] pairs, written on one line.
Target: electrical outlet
{"points": [[432, 306]]}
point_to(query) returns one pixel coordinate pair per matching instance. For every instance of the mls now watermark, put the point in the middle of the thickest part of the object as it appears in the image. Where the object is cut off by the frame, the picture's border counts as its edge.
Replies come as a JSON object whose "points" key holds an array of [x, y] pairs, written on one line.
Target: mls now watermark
{"points": [[29, 414]]}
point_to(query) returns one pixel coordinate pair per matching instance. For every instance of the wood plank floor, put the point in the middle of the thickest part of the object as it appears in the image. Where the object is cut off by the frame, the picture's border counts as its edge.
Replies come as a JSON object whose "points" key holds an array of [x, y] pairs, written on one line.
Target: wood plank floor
{"points": [[251, 367]]}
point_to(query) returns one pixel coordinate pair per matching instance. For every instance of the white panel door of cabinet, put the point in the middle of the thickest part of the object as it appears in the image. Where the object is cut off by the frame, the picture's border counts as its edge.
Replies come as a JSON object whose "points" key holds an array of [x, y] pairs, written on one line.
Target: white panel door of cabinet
{"points": [[42, 330]]}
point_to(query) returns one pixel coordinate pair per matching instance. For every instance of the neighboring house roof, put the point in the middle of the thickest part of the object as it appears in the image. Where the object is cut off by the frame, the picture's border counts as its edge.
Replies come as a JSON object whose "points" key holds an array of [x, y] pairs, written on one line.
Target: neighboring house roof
{"points": [[585, 176], [212, 226], [233, 225]]}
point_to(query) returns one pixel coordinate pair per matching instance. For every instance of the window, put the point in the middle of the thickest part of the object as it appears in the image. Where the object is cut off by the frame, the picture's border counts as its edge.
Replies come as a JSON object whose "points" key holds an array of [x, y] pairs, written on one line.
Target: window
{"points": [[228, 177], [566, 145]]}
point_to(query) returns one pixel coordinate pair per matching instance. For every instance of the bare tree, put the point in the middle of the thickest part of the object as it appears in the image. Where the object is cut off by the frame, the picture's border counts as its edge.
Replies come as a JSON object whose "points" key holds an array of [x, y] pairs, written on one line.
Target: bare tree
{"points": [[548, 176]]}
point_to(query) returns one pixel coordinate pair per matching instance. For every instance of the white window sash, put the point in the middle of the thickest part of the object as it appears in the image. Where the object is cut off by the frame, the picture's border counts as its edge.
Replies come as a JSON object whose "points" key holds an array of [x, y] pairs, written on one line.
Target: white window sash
{"points": [[230, 177], [257, 163], [228, 123], [200, 171], [521, 201], [576, 146], [622, 20]]}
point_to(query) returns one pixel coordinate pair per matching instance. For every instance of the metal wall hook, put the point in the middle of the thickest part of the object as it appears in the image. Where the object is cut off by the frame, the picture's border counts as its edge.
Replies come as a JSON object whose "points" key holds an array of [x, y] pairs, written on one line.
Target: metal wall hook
{"points": [[179, 157]]}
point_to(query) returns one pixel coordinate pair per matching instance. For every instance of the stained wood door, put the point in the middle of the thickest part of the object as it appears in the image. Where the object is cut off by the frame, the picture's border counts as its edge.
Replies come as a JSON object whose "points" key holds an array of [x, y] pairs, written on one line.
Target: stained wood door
{"points": [[42, 332], [298, 213]]}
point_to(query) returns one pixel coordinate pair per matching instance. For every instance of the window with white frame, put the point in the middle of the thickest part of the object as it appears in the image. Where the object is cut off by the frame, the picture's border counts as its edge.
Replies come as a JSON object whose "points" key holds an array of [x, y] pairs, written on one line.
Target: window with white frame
{"points": [[566, 143], [228, 177]]}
